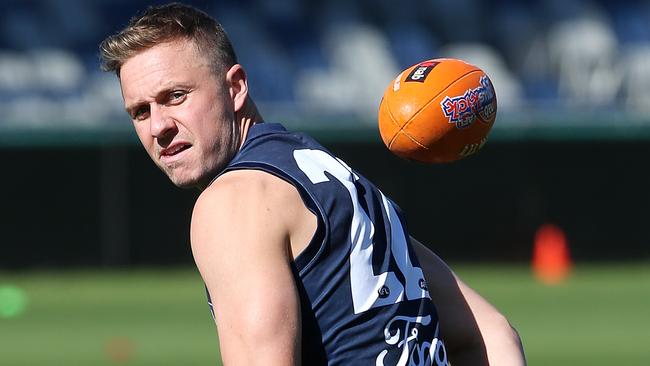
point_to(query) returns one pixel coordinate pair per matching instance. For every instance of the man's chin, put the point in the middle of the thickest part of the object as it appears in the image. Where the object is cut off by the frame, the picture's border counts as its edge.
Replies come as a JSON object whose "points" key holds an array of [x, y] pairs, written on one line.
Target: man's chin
{"points": [[185, 183], [181, 180], [187, 179]]}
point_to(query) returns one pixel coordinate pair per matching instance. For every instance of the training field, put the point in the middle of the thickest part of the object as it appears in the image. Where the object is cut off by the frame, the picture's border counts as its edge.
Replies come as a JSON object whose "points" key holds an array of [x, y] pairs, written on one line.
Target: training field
{"points": [[600, 316]]}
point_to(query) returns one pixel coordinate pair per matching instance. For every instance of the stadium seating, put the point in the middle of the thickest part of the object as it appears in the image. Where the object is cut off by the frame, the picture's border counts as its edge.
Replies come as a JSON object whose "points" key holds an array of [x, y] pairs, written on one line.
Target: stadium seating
{"points": [[336, 57]]}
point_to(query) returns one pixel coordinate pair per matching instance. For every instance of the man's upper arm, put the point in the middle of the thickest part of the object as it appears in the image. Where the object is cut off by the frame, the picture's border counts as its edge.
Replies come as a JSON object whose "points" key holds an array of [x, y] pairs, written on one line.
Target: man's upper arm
{"points": [[458, 325], [240, 241]]}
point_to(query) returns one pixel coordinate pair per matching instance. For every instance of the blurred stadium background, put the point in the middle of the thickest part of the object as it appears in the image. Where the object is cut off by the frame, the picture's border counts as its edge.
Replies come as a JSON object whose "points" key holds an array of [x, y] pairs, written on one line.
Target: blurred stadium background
{"points": [[96, 268]]}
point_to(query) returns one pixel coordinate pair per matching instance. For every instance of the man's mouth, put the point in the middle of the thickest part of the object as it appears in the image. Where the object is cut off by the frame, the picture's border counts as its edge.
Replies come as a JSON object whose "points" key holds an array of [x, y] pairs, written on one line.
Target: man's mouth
{"points": [[173, 152]]}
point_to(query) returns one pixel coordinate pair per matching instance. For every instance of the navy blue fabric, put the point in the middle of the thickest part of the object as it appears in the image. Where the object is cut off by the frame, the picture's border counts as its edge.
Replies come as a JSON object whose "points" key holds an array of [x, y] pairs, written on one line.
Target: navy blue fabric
{"points": [[332, 333]]}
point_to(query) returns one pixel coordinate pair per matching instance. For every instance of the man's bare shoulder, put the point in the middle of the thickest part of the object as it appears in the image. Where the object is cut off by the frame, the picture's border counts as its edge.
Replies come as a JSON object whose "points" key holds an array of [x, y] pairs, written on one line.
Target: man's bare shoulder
{"points": [[238, 195], [246, 189], [248, 202]]}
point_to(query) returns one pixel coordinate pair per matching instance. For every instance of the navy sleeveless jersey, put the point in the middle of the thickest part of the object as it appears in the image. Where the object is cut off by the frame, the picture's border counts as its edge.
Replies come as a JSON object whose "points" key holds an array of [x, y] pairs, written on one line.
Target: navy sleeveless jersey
{"points": [[364, 299]]}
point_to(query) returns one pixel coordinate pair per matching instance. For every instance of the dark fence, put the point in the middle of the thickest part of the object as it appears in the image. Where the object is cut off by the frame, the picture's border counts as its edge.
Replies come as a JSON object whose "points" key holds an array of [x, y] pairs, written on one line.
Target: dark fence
{"points": [[90, 204]]}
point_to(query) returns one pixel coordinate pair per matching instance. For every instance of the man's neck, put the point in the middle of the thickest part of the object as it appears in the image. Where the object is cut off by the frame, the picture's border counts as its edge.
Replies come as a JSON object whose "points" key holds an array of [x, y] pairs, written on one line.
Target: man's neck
{"points": [[247, 117]]}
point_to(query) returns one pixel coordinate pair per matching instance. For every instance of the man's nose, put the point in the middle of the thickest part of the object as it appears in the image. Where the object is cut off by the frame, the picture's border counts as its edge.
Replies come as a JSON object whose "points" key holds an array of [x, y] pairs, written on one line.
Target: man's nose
{"points": [[162, 125]]}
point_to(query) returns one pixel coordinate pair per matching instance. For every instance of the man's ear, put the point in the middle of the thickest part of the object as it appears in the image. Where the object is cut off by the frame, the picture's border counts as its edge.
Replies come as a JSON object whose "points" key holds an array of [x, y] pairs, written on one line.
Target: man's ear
{"points": [[237, 86]]}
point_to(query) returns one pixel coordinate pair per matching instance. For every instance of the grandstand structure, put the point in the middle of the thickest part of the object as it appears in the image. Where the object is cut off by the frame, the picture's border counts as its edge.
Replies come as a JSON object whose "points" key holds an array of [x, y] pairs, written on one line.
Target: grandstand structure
{"points": [[318, 63]]}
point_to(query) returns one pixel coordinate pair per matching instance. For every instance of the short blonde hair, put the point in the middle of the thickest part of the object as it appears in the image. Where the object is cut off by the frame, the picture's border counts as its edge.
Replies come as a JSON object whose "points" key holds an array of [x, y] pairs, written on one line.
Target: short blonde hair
{"points": [[164, 24]]}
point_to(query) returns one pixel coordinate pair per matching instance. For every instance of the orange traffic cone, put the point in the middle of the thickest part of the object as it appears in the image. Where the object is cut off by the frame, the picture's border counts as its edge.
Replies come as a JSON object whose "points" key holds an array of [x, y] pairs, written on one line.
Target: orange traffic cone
{"points": [[551, 259]]}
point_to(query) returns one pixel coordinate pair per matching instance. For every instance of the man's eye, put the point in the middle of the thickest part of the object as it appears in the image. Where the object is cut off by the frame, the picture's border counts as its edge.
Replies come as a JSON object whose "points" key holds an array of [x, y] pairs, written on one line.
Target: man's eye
{"points": [[176, 95], [141, 113]]}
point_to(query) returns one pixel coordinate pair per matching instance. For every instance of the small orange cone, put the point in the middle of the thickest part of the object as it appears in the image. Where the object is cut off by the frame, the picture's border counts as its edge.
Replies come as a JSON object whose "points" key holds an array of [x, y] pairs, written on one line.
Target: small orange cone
{"points": [[551, 259]]}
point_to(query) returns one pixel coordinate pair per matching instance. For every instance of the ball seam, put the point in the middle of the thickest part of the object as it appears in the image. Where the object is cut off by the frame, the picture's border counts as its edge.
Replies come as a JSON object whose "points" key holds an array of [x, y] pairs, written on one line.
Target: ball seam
{"points": [[390, 114], [413, 139], [427, 104]]}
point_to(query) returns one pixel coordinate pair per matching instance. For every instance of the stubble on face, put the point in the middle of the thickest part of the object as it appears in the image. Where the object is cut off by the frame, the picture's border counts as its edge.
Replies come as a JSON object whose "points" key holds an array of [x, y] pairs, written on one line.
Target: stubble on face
{"points": [[200, 121]]}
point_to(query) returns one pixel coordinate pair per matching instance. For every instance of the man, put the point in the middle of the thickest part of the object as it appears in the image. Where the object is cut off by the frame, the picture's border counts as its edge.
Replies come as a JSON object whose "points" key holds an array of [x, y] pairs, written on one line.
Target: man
{"points": [[305, 261]]}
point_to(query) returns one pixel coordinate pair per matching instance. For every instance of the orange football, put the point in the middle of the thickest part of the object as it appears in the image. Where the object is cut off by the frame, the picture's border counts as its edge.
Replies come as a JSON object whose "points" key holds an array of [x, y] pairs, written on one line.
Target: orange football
{"points": [[437, 111]]}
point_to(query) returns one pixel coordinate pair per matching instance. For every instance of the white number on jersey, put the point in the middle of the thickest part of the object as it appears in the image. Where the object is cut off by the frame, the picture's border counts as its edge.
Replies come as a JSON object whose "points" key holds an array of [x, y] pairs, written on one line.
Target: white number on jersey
{"points": [[369, 290]]}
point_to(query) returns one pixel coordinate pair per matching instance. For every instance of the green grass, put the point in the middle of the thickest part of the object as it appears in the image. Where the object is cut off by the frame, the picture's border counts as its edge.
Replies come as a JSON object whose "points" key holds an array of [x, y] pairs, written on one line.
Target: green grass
{"points": [[73, 317], [600, 316]]}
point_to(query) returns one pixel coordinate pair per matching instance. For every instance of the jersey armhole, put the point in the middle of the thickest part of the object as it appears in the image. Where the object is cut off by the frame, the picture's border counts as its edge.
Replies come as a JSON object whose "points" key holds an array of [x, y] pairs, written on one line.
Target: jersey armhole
{"points": [[312, 251]]}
